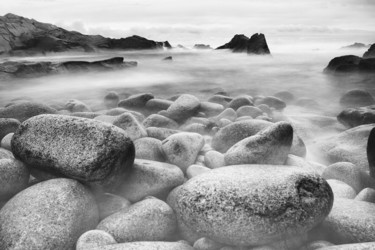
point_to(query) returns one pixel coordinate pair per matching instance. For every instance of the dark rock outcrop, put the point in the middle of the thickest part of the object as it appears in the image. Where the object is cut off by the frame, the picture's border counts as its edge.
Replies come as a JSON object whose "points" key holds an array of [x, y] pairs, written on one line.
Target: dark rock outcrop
{"points": [[351, 64], [356, 46], [352, 117], [370, 53], [19, 35], [256, 44], [35, 69], [202, 46]]}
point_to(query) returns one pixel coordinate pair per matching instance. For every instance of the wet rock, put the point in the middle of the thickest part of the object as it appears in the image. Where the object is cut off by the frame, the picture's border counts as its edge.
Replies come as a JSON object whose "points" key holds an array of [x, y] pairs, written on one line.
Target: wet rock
{"points": [[285, 96], [109, 204], [183, 107], [148, 220], [14, 177], [147, 245], [8, 125], [151, 178], [160, 133], [241, 205], [211, 108], [249, 111], [148, 148], [160, 121], [271, 146], [272, 102], [240, 101], [137, 101], [111, 100], [182, 149], [87, 150], [370, 151], [352, 117], [229, 135], [58, 212], [5, 142], [132, 127], [367, 194], [214, 159], [343, 64], [351, 221], [94, 238], [25, 110], [206, 244], [156, 105], [195, 170], [256, 44], [77, 106], [341, 189], [356, 98]]}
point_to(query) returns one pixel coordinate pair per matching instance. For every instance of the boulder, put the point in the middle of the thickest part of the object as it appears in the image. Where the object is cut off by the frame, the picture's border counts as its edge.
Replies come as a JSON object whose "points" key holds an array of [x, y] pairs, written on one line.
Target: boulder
{"points": [[148, 220], [132, 127], [370, 53], [194, 170], [341, 189], [137, 101], [25, 110], [156, 105], [14, 177], [148, 148], [353, 117], [160, 133], [49, 215], [77, 106], [270, 146], [272, 102], [183, 108], [214, 159], [94, 238], [240, 101], [356, 98], [8, 125], [156, 120], [90, 151], [343, 64], [150, 178], [256, 44], [109, 204], [242, 206], [182, 149]]}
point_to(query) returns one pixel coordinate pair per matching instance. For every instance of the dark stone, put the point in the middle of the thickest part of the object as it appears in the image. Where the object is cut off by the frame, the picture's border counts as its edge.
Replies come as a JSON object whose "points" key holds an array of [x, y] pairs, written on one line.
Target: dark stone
{"points": [[343, 64], [370, 53], [8, 125], [25, 110], [255, 45], [352, 117], [370, 150], [136, 101], [357, 98], [168, 58], [202, 46]]}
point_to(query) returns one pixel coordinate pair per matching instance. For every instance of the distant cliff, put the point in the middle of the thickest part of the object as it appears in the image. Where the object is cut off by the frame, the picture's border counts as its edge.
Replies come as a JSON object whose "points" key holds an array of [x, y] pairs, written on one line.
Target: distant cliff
{"points": [[256, 44], [19, 34]]}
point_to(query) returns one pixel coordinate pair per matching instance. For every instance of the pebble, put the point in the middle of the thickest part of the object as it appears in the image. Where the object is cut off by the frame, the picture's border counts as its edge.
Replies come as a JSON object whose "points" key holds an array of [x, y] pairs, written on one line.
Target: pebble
{"points": [[214, 159], [148, 148], [8, 125], [195, 170], [5, 142], [183, 107], [94, 238], [128, 123], [160, 121]]}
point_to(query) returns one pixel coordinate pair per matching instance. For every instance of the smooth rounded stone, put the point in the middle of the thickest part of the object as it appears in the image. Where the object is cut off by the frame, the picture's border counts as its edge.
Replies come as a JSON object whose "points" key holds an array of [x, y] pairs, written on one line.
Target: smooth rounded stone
{"points": [[341, 189], [356, 98], [89, 115], [147, 245], [114, 111], [93, 152], [48, 215], [220, 99], [352, 117], [285, 96], [293, 160], [223, 122], [195, 170], [109, 204], [206, 244], [25, 110], [214, 159], [347, 172], [272, 102], [160, 121], [14, 177], [5, 154], [136, 101], [8, 125], [243, 118], [356, 246], [298, 146], [77, 106], [151, 178], [182, 149], [183, 107], [5, 142], [270, 146], [211, 108], [94, 238], [294, 242], [149, 149], [157, 105], [317, 245], [229, 135], [249, 111], [241, 205], [366, 194], [228, 114], [105, 118], [111, 100], [265, 109], [197, 128], [306, 102], [160, 133], [240, 101], [148, 220], [133, 129], [265, 118], [347, 146]]}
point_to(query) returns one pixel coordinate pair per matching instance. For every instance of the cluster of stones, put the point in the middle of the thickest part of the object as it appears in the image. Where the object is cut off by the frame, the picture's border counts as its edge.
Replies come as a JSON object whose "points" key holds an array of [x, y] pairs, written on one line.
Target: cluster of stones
{"points": [[180, 173]]}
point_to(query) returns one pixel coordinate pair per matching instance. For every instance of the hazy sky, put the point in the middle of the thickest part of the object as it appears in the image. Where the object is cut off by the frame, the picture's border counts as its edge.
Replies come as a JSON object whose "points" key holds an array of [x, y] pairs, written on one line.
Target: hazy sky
{"points": [[209, 21]]}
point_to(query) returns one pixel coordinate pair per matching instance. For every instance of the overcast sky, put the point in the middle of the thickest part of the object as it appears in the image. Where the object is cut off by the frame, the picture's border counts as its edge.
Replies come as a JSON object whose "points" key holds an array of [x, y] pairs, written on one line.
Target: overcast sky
{"points": [[209, 21]]}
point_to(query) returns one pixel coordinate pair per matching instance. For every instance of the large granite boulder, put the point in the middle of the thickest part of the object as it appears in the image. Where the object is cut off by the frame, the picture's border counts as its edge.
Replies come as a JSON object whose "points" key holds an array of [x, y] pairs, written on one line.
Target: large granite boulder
{"points": [[87, 150], [25, 110], [48, 215], [256, 44], [352, 117], [247, 205], [356, 98]]}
